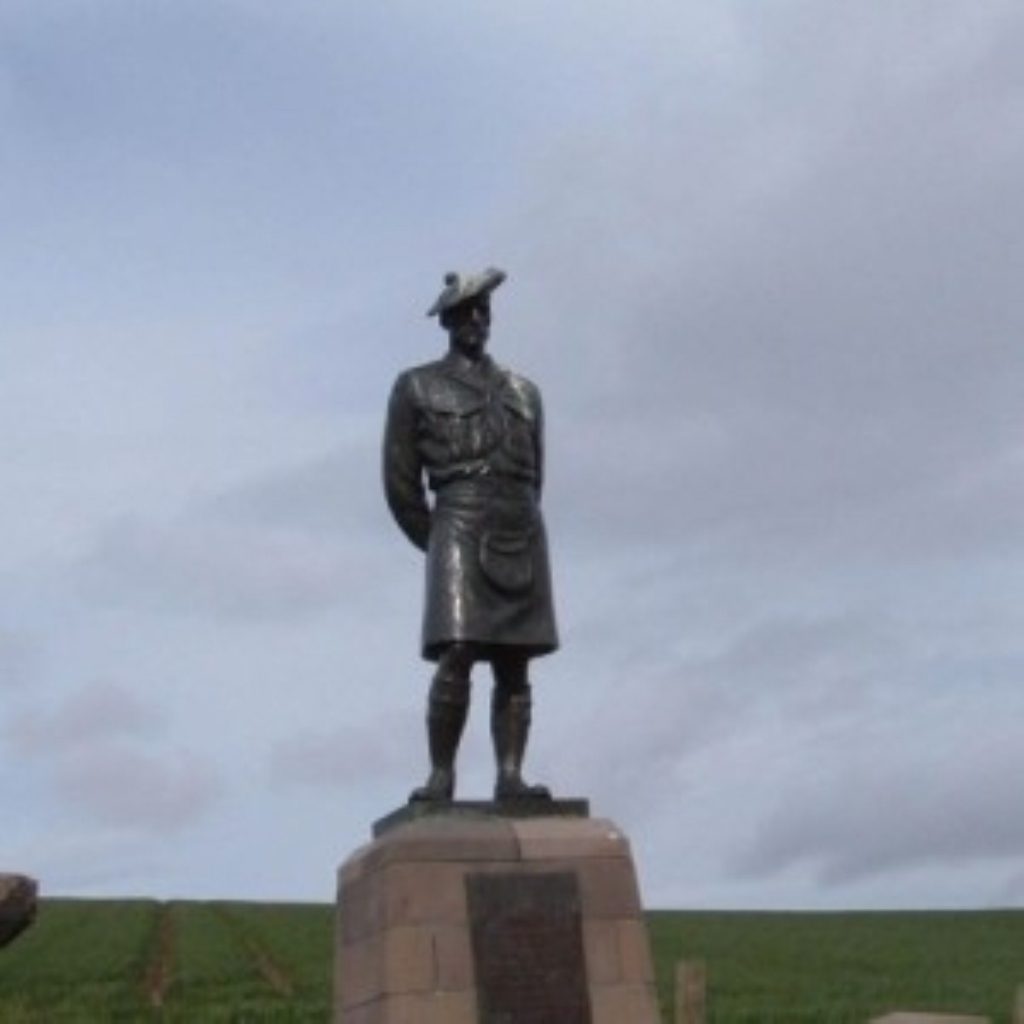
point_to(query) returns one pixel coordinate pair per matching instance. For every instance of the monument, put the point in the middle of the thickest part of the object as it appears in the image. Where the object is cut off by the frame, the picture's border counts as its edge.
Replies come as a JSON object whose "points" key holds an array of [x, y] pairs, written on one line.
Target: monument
{"points": [[521, 909]]}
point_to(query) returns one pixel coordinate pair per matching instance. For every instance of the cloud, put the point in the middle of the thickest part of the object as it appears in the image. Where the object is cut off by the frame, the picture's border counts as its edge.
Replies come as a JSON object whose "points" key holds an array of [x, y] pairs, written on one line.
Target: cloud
{"points": [[795, 330], [214, 569], [99, 711], [764, 266], [100, 751], [376, 749], [116, 785], [658, 709], [1011, 892], [75, 859], [284, 544], [337, 494], [19, 659], [897, 794]]}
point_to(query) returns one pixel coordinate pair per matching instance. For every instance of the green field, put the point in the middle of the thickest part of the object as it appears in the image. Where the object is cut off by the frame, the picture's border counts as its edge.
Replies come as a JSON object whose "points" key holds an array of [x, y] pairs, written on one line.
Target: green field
{"points": [[848, 967], [92, 960]]}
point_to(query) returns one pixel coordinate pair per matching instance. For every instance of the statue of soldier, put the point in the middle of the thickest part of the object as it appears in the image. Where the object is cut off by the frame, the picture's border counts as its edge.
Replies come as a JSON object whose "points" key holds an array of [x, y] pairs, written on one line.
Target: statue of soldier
{"points": [[473, 432]]}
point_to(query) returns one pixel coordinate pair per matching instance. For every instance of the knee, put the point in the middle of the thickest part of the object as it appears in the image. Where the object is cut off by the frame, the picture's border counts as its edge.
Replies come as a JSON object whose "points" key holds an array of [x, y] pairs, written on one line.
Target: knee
{"points": [[510, 677], [456, 660], [451, 681]]}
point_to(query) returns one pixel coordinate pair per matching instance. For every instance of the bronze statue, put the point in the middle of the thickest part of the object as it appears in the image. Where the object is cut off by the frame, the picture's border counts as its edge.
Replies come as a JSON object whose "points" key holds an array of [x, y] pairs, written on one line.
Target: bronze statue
{"points": [[473, 432]]}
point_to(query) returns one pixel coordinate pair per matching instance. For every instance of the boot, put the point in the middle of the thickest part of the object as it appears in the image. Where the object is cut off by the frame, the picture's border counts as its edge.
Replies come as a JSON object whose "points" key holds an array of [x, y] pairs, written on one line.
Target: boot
{"points": [[510, 729], [445, 721]]}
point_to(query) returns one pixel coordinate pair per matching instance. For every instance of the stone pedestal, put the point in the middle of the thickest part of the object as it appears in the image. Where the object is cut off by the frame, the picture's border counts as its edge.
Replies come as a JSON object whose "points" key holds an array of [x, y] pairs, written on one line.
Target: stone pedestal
{"points": [[483, 919], [18, 897]]}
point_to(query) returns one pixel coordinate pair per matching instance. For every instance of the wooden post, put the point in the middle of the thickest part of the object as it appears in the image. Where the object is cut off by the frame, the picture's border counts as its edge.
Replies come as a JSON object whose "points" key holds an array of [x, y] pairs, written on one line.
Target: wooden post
{"points": [[1018, 1006], [691, 992]]}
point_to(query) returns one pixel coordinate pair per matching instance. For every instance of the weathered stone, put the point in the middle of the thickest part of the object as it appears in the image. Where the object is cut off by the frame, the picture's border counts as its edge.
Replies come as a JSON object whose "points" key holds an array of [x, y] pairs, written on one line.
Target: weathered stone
{"points": [[470, 919], [17, 905]]}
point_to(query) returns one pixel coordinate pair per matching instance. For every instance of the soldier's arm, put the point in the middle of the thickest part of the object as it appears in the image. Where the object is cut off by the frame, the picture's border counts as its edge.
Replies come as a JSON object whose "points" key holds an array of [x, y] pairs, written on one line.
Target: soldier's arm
{"points": [[538, 440], [402, 467]]}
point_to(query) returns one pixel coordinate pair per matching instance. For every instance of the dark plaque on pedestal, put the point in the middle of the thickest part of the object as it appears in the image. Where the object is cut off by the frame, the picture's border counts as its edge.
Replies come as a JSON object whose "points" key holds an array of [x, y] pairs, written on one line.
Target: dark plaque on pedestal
{"points": [[528, 948]]}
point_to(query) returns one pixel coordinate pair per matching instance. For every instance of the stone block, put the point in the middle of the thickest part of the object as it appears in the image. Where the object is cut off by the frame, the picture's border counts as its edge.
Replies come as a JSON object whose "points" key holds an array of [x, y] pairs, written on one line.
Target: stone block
{"points": [[361, 977], [426, 893], [619, 1004], [432, 1008], [454, 956], [634, 952], [554, 839], [439, 1008], [601, 948], [608, 887], [436, 838]]}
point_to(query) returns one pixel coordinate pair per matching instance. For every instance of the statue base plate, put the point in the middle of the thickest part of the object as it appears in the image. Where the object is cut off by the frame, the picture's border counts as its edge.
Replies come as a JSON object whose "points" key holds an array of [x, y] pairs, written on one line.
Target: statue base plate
{"points": [[527, 807]]}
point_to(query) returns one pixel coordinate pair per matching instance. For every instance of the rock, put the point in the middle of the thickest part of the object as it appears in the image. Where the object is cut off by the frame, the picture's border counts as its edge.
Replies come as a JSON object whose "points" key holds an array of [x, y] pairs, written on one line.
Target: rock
{"points": [[17, 905]]}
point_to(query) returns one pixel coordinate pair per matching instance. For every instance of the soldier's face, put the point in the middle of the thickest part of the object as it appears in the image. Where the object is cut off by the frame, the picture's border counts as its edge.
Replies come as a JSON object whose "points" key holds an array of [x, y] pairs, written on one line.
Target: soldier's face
{"points": [[469, 324]]}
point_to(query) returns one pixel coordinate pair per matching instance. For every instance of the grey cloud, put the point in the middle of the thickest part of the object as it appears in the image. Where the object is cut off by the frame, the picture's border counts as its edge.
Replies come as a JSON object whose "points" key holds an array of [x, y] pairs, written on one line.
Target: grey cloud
{"points": [[806, 304], [1011, 892], [122, 786], [78, 858], [378, 749], [230, 572], [648, 728], [766, 274], [337, 493], [885, 799], [287, 544], [97, 745], [19, 659], [796, 660], [100, 711], [667, 706]]}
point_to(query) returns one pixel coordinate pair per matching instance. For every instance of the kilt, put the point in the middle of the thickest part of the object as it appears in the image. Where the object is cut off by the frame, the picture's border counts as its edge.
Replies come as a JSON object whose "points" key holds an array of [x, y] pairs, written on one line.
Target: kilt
{"points": [[488, 578]]}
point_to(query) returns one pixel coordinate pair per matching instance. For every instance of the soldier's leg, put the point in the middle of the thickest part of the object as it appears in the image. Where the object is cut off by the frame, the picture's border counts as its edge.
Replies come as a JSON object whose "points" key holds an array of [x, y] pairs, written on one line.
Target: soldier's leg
{"points": [[511, 707], [447, 708]]}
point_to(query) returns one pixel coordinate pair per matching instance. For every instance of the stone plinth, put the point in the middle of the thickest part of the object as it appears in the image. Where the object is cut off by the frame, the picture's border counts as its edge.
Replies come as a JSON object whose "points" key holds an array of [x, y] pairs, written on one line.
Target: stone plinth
{"points": [[484, 919], [17, 905]]}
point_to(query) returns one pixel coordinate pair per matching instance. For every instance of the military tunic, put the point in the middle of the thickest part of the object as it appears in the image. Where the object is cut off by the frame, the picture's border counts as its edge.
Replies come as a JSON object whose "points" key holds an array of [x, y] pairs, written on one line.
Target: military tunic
{"points": [[473, 432]]}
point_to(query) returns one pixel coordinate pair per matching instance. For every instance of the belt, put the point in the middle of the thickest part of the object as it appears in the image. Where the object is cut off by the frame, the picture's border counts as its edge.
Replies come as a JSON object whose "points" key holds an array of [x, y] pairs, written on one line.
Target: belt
{"points": [[481, 486]]}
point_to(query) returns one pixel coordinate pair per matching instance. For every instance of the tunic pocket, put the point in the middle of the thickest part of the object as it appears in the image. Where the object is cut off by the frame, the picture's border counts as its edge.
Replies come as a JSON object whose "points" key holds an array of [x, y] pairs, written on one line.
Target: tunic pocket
{"points": [[506, 558], [456, 428]]}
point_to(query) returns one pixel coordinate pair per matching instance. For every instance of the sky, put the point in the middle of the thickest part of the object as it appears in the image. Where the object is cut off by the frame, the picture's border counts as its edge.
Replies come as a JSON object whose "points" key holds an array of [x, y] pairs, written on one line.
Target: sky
{"points": [[764, 261]]}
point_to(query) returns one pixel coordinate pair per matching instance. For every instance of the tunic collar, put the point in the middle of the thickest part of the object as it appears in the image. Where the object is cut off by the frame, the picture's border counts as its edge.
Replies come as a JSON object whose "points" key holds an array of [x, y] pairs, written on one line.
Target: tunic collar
{"points": [[476, 373]]}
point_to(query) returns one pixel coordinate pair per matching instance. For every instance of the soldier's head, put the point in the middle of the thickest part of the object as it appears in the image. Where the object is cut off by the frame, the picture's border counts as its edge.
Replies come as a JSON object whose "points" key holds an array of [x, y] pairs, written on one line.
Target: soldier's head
{"points": [[464, 309]]}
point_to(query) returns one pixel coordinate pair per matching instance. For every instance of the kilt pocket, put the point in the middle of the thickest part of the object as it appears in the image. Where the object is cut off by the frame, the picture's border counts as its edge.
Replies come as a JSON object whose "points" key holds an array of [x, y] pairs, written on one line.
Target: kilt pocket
{"points": [[506, 558]]}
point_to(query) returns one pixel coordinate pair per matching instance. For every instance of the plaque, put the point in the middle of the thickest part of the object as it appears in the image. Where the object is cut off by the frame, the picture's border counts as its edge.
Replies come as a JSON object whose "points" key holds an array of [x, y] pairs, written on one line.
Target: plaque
{"points": [[528, 948]]}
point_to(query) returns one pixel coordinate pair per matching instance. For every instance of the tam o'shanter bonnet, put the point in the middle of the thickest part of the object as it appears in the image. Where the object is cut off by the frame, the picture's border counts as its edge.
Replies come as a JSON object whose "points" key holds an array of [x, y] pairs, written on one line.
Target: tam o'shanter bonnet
{"points": [[460, 287]]}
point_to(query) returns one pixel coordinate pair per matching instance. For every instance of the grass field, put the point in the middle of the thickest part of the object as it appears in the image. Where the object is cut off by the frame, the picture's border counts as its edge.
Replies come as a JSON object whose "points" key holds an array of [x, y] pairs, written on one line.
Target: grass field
{"points": [[838, 968], [95, 961]]}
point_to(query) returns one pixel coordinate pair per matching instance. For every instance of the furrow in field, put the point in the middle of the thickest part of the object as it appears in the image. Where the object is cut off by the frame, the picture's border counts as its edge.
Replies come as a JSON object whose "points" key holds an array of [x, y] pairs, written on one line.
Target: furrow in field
{"points": [[270, 970], [160, 966]]}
